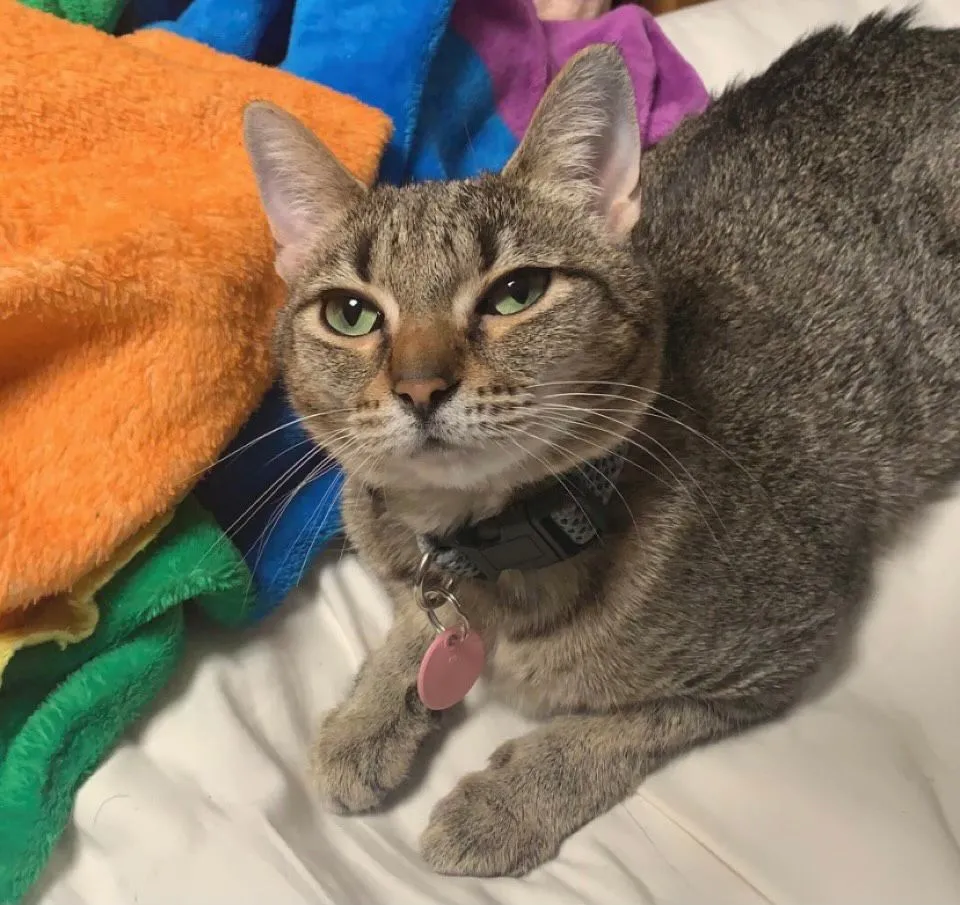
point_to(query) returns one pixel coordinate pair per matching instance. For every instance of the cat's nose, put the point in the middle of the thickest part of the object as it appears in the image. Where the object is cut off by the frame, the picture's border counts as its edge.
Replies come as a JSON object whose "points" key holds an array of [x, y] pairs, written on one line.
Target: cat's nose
{"points": [[423, 395]]}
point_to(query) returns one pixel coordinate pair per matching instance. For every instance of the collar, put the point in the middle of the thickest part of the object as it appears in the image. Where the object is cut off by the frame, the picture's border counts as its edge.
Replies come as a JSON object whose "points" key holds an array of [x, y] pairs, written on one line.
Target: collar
{"points": [[566, 515]]}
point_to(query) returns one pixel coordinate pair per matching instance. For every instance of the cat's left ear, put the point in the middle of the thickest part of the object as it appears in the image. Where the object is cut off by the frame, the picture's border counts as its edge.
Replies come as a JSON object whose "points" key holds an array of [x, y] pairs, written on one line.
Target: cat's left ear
{"points": [[304, 189], [583, 142]]}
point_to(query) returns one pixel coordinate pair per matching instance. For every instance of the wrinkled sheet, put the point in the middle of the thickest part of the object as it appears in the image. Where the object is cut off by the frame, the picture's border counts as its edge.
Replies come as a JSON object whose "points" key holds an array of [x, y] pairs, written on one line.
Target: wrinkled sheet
{"points": [[854, 799]]}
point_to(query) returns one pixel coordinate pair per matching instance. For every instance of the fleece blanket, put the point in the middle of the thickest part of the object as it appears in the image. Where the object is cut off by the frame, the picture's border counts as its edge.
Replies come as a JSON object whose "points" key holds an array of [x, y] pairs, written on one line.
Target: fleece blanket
{"points": [[62, 710], [460, 81], [102, 14], [71, 616], [137, 290]]}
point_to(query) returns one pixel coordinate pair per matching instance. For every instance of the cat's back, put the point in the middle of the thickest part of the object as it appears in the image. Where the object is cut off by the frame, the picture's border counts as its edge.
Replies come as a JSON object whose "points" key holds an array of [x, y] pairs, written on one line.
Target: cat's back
{"points": [[833, 132], [806, 231]]}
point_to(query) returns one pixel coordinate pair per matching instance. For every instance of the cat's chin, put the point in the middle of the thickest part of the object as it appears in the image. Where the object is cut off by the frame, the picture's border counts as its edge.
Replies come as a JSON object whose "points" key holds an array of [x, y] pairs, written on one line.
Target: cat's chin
{"points": [[442, 466]]}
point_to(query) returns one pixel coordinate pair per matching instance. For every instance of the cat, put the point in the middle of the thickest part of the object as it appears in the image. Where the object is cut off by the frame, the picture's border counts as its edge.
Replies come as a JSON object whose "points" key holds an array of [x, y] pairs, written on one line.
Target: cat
{"points": [[757, 323]]}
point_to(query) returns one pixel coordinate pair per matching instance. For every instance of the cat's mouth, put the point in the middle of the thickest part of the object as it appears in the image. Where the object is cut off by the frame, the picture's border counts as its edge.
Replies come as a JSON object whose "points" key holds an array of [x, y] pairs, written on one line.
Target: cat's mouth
{"points": [[433, 437], [438, 447], [432, 444]]}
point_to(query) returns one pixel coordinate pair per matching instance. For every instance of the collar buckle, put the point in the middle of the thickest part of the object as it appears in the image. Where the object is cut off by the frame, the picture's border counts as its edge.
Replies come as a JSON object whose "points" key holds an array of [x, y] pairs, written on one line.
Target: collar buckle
{"points": [[524, 536]]}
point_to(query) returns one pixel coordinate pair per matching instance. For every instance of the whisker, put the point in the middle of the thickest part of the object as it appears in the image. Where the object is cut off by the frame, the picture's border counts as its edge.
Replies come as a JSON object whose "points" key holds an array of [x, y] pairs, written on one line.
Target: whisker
{"points": [[288, 449], [653, 411], [329, 500], [236, 452], [562, 424], [610, 383], [263, 539], [260, 544], [627, 461], [652, 439], [319, 471], [664, 416], [589, 464], [244, 518], [251, 510], [555, 474], [666, 468], [333, 502]]}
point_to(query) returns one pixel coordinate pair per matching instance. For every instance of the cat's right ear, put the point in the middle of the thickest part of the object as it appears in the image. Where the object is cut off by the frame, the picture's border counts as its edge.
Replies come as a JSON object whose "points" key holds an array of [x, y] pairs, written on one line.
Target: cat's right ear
{"points": [[304, 189], [583, 143]]}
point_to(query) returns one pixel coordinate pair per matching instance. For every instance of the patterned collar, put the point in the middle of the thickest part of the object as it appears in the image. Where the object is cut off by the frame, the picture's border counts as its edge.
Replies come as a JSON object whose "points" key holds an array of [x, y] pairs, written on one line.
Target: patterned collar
{"points": [[566, 515]]}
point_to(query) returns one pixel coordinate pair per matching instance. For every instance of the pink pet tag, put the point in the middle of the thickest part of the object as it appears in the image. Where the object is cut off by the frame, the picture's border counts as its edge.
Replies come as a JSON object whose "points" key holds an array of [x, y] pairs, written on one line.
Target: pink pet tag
{"points": [[450, 668]]}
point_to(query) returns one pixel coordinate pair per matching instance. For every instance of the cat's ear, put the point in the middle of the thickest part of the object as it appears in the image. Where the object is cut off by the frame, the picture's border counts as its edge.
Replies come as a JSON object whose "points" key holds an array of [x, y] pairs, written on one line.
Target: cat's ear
{"points": [[304, 189], [584, 140]]}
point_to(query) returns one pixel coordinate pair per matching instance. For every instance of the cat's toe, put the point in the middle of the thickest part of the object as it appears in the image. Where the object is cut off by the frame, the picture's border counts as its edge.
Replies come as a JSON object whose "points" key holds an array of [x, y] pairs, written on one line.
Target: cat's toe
{"points": [[355, 766], [345, 781], [482, 829]]}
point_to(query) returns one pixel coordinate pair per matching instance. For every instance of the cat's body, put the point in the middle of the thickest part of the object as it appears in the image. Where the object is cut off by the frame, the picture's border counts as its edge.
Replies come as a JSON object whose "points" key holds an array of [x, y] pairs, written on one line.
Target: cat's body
{"points": [[792, 291]]}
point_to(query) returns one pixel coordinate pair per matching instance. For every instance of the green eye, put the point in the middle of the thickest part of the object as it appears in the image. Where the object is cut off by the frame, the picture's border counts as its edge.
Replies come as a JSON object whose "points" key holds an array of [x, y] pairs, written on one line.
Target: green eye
{"points": [[515, 292], [350, 314]]}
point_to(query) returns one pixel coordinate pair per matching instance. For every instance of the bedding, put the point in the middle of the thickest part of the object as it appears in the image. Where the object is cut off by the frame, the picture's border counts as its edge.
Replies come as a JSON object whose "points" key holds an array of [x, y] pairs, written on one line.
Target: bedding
{"points": [[853, 799]]}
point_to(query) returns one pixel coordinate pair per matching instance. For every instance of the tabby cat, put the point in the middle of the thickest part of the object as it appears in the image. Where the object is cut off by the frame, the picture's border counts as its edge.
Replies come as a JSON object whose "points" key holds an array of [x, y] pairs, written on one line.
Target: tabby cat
{"points": [[752, 335]]}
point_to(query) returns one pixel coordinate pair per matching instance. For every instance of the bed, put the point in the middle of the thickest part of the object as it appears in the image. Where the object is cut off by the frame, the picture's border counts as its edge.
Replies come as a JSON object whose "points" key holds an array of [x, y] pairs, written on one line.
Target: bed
{"points": [[853, 799]]}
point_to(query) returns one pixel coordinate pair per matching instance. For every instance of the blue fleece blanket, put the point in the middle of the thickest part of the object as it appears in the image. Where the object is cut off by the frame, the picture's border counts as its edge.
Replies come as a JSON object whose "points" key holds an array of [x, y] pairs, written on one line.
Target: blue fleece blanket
{"points": [[460, 81]]}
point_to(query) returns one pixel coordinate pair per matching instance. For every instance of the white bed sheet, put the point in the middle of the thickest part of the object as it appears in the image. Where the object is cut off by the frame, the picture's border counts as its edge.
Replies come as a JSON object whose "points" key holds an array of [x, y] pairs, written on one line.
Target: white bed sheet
{"points": [[854, 799]]}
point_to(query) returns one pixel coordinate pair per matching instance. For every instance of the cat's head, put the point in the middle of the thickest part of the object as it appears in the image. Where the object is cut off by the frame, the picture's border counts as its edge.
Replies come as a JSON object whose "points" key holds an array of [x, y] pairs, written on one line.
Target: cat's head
{"points": [[473, 333]]}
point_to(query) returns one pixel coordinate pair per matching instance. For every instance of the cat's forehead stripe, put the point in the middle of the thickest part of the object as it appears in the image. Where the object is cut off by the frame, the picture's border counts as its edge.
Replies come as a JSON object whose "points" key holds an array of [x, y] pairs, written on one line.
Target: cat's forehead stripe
{"points": [[361, 261], [489, 245]]}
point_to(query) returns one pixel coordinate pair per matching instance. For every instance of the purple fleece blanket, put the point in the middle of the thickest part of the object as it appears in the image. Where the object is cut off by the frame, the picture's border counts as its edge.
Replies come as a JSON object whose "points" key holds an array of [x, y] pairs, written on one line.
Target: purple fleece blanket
{"points": [[522, 55]]}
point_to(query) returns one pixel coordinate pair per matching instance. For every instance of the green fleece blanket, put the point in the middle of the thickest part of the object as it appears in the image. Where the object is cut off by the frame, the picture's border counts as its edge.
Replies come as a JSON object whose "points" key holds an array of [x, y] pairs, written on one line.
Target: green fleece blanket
{"points": [[61, 711], [102, 14]]}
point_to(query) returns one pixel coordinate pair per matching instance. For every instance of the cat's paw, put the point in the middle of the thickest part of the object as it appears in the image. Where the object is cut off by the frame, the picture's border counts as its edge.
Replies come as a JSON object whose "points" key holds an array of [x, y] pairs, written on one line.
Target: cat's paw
{"points": [[360, 756], [488, 827]]}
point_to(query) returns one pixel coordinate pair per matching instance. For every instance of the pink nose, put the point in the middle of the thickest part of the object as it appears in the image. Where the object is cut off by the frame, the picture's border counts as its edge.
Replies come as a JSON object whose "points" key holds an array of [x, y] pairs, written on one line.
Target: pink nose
{"points": [[423, 394]]}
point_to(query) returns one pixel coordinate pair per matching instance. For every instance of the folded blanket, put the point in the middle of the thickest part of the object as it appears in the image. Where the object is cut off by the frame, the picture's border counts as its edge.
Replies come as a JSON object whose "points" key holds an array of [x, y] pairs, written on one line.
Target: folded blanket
{"points": [[460, 83], [137, 290], [70, 616], [62, 710]]}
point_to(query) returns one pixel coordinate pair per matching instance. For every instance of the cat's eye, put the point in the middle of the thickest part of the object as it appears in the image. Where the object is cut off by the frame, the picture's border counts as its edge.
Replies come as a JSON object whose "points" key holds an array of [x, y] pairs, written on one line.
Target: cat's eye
{"points": [[515, 292], [350, 314]]}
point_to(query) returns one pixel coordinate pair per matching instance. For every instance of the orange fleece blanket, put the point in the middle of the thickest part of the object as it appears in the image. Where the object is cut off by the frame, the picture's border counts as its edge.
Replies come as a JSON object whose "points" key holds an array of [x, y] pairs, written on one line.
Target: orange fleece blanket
{"points": [[137, 289]]}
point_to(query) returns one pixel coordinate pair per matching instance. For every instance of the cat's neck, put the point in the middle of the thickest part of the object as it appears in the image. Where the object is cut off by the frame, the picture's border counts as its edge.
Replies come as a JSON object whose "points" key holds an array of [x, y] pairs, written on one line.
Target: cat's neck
{"points": [[437, 510]]}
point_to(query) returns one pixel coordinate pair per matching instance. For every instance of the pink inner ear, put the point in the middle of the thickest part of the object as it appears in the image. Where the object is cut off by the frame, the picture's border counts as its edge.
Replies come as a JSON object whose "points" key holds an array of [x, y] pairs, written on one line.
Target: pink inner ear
{"points": [[619, 175], [290, 258], [285, 212], [624, 214]]}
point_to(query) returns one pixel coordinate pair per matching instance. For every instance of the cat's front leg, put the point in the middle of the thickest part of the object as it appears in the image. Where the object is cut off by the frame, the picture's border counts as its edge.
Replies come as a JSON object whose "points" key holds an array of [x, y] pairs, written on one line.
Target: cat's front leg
{"points": [[367, 745], [538, 789]]}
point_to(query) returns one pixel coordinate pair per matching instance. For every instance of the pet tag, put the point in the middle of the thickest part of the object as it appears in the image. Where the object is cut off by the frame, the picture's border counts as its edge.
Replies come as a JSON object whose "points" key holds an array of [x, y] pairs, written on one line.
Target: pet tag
{"points": [[449, 668]]}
